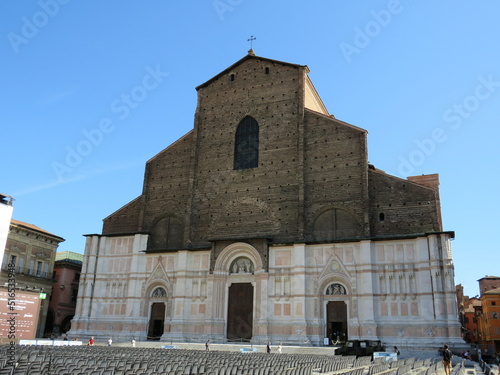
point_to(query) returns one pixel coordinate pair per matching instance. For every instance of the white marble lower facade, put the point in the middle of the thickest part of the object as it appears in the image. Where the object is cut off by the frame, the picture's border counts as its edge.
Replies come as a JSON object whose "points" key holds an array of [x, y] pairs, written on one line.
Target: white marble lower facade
{"points": [[399, 291]]}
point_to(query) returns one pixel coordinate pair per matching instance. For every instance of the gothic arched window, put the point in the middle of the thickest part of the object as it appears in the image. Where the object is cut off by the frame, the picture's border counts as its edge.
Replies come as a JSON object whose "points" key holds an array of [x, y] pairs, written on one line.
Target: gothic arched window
{"points": [[335, 289], [246, 145]]}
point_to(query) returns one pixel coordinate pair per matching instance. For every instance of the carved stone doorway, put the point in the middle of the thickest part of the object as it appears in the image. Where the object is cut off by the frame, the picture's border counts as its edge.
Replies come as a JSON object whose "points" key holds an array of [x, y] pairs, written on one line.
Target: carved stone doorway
{"points": [[157, 321], [336, 321], [240, 312]]}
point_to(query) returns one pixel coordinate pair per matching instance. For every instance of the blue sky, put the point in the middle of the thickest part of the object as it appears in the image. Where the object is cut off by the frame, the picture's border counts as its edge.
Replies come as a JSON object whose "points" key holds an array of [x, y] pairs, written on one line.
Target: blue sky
{"points": [[91, 90]]}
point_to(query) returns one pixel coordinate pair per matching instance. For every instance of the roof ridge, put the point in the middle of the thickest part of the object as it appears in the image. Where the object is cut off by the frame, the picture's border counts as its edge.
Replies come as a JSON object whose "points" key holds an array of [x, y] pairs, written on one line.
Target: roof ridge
{"points": [[241, 61], [33, 227]]}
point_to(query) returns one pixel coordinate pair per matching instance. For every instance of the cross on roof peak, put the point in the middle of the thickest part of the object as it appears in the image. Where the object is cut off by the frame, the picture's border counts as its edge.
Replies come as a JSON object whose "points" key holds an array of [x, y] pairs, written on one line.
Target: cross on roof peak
{"points": [[251, 39]]}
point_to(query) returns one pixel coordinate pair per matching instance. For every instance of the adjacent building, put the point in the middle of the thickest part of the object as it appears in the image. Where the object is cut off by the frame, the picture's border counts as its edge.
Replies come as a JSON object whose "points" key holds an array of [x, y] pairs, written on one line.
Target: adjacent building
{"points": [[266, 222], [6, 209], [67, 269], [481, 316], [489, 315], [490, 320], [29, 259], [488, 283], [472, 311]]}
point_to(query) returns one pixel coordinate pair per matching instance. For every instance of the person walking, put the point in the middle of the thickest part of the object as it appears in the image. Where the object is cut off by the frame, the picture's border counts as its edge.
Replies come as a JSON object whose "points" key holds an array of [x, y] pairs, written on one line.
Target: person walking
{"points": [[207, 348], [396, 350], [447, 356], [110, 341], [133, 342], [268, 347]]}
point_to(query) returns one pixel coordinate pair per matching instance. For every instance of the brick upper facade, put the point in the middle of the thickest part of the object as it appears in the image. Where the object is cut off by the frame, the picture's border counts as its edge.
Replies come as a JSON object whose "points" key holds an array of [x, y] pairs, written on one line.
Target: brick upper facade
{"points": [[312, 183]]}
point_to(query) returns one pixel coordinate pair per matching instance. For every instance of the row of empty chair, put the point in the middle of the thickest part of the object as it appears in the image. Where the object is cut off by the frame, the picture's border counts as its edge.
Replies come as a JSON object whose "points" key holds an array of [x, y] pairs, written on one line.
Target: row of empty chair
{"points": [[101, 360]]}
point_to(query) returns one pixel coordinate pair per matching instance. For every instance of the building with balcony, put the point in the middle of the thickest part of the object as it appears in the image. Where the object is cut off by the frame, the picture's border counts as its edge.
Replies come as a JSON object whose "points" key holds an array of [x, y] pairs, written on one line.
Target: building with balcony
{"points": [[490, 319], [488, 316], [480, 316], [30, 252]]}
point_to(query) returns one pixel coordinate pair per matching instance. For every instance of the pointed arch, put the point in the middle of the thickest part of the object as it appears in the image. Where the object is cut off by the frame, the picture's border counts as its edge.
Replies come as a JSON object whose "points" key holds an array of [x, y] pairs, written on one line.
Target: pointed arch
{"points": [[157, 307], [158, 279], [246, 144]]}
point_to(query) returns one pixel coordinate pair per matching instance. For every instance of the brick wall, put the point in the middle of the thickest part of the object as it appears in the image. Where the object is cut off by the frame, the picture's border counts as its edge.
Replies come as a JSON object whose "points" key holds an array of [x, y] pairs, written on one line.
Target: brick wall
{"points": [[124, 220], [335, 175], [255, 202], [167, 185], [399, 207], [312, 182]]}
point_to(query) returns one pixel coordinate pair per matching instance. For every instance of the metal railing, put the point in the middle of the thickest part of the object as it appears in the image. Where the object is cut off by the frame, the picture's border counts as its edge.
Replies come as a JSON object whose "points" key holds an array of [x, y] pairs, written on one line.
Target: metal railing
{"points": [[487, 368], [29, 272]]}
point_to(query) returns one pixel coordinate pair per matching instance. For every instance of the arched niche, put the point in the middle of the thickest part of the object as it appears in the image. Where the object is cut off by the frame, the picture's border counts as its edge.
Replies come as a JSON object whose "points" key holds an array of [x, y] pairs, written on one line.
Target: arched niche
{"points": [[166, 233], [235, 251], [335, 223]]}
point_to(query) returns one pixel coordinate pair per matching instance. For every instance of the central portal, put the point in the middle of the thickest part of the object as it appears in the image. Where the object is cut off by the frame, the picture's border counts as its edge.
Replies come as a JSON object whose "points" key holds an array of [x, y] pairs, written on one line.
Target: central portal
{"points": [[240, 312]]}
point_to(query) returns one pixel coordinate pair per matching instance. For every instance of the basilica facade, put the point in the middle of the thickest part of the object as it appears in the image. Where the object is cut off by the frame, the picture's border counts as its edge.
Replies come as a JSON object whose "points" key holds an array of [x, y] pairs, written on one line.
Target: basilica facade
{"points": [[267, 223]]}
